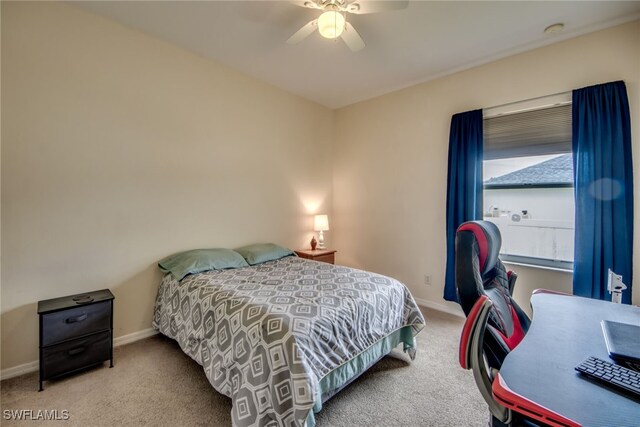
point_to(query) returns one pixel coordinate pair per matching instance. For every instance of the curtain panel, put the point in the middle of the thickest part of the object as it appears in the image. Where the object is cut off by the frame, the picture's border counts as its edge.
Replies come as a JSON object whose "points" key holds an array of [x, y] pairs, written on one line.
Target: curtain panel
{"points": [[603, 175], [464, 184]]}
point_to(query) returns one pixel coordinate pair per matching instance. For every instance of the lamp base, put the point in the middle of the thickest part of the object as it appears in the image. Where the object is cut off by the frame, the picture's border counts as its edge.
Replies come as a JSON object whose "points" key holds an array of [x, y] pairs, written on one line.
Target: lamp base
{"points": [[321, 241]]}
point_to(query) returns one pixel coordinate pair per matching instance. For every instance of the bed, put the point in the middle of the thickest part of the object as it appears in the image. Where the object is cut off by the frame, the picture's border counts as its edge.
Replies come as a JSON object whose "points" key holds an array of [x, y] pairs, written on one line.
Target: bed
{"points": [[281, 337]]}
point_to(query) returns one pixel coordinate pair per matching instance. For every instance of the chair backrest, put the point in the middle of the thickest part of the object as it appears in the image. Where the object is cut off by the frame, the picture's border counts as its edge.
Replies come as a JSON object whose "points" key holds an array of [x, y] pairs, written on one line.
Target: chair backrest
{"points": [[471, 355], [479, 272]]}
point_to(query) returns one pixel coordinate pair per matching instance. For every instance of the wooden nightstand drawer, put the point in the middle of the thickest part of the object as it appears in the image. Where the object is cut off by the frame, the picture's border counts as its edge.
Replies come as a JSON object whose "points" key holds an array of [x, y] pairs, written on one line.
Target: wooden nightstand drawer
{"points": [[325, 258], [76, 322], [76, 354], [322, 255]]}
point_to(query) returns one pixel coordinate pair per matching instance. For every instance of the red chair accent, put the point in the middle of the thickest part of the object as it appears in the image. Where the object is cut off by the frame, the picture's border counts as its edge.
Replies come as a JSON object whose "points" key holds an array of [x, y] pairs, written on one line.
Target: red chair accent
{"points": [[480, 237], [467, 332], [516, 336]]}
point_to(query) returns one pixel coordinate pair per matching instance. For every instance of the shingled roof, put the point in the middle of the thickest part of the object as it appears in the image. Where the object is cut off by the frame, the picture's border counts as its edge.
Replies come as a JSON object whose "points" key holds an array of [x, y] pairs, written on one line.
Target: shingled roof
{"points": [[557, 171]]}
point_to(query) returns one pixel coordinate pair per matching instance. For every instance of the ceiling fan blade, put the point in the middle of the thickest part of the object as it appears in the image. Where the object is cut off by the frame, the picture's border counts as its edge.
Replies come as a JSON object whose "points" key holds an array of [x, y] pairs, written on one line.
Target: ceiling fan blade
{"points": [[352, 38], [307, 3], [363, 6], [303, 32]]}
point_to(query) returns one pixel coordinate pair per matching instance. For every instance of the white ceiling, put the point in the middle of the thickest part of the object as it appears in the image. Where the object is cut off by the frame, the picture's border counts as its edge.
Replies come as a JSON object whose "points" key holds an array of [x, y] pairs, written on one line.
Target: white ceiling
{"points": [[422, 42]]}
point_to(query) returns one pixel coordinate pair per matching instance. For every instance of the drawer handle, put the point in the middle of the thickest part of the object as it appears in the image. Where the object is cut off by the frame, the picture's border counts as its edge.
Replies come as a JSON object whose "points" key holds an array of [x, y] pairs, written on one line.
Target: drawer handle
{"points": [[76, 319], [75, 351]]}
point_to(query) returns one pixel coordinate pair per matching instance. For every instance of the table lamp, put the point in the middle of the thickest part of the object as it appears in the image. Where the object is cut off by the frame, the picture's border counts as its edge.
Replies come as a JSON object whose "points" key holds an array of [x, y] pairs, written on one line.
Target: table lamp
{"points": [[321, 223]]}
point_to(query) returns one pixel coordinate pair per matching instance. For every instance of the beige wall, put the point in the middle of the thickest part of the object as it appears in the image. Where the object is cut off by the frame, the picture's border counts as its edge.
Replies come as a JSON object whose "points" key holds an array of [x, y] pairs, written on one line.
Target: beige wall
{"points": [[390, 156], [119, 149]]}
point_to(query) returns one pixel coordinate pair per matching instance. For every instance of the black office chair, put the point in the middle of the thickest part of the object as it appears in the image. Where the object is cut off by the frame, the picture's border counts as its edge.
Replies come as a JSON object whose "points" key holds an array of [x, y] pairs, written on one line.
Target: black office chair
{"points": [[495, 323], [472, 356], [479, 271]]}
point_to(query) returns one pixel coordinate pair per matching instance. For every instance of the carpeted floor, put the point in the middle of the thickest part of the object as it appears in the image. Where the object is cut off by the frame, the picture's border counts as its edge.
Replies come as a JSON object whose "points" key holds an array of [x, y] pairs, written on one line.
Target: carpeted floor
{"points": [[154, 383]]}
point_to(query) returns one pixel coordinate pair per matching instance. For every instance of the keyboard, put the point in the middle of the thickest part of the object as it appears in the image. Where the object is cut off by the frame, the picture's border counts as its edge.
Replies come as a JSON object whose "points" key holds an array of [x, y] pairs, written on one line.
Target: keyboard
{"points": [[624, 379]]}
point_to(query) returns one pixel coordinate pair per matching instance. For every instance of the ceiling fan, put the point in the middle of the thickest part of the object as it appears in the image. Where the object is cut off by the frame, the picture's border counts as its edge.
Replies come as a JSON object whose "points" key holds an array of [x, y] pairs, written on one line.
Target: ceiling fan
{"points": [[332, 23]]}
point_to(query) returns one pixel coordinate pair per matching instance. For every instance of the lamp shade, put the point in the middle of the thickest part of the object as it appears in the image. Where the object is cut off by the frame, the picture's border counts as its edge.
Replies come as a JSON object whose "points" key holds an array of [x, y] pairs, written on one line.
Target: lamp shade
{"points": [[331, 24], [321, 223]]}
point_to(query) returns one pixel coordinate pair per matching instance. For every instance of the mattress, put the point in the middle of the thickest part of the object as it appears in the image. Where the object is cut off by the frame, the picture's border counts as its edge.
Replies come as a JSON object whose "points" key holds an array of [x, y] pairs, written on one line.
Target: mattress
{"points": [[281, 337]]}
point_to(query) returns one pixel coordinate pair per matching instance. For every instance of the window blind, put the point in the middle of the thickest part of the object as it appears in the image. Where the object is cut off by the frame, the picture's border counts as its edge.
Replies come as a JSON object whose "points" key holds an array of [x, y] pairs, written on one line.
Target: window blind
{"points": [[529, 133]]}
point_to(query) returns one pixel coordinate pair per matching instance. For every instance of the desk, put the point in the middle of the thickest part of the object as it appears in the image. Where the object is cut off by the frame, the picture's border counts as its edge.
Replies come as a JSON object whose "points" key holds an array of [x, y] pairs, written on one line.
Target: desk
{"points": [[564, 331]]}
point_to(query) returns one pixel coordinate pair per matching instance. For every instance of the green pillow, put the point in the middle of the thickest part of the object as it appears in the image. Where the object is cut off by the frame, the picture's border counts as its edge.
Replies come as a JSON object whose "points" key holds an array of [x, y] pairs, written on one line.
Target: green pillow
{"points": [[199, 260], [263, 252]]}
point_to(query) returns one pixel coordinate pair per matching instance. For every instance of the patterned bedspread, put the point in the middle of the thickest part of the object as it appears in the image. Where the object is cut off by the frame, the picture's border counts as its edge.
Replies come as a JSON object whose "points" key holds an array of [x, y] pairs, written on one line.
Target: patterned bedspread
{"points": [[266, 335]]}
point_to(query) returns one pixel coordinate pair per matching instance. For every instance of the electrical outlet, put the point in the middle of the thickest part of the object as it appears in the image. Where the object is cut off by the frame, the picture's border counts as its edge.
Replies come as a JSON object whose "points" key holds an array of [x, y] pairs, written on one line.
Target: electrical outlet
{"points": [[427, 279]]}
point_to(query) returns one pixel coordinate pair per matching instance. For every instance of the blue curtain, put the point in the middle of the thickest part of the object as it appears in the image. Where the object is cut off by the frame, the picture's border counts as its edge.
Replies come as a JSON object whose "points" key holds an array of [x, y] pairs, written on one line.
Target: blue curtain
{"points": [[603, 189], [464, 184]]}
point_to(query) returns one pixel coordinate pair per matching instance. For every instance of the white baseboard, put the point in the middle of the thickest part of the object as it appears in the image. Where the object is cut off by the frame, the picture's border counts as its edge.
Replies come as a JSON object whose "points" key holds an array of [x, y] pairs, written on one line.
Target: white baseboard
{"points": [[16, 371], [27, 368], [450, 309], [136, 336]]}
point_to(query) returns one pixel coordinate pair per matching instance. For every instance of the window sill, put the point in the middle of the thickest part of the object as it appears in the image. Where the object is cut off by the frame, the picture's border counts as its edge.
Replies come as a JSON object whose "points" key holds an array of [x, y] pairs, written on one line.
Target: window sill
{"points": [[542, 267]]}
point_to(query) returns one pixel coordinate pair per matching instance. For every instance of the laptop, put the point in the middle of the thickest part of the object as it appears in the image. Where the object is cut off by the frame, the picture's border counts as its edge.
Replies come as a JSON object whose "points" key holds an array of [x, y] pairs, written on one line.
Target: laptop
{"points": [[623, 341]]}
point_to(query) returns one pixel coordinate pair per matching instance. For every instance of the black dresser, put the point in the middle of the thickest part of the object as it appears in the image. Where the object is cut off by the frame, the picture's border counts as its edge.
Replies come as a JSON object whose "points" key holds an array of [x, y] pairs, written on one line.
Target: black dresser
{"points": [[76, 332]]}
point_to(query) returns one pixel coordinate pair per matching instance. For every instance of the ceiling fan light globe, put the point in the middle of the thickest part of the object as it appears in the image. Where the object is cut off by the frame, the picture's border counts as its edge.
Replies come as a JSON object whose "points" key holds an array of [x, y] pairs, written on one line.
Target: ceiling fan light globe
{"points": [[331, 24]]}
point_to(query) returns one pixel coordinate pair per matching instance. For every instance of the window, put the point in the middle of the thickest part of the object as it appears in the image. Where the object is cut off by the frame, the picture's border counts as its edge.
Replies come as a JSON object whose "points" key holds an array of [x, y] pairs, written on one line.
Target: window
{"points": [[528, 185]]}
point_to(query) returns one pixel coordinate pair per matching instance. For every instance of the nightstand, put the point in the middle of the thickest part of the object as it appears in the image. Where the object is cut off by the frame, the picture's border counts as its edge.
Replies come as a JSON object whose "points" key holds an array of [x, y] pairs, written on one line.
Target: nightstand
{"points": [[322, 255], [76, 332]]}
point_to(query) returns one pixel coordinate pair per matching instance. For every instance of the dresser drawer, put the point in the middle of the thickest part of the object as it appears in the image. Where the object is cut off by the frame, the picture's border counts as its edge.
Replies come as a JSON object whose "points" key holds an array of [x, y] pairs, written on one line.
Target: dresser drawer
{"points": [[325, 258], [67, 324], [76, 354], [321, 255]]}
